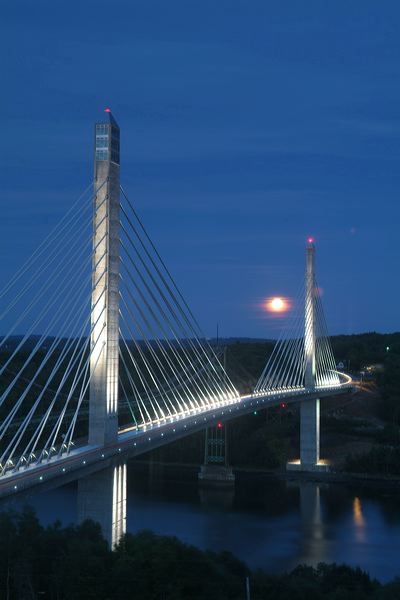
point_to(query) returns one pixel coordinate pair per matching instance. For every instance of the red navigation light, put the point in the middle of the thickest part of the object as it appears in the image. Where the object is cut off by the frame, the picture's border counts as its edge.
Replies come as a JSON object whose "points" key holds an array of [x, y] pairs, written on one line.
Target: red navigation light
{"points": [[220, 425], [107, 109], [283, 405], [310, 240]]}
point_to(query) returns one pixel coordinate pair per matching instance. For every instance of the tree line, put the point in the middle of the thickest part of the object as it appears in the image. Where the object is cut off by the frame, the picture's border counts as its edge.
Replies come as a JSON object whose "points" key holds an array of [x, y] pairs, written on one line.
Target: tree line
{"points": [[75, 563]]}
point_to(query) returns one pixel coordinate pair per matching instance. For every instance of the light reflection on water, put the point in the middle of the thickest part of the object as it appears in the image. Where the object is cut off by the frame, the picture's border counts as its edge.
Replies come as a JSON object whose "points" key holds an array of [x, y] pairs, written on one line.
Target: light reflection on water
{"points": [[359, 522], [267, 523]]}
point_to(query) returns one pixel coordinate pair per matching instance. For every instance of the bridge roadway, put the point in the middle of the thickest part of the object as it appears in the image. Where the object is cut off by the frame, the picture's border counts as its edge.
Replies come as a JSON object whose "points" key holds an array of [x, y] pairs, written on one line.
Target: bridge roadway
{"points": [[85, 460]]}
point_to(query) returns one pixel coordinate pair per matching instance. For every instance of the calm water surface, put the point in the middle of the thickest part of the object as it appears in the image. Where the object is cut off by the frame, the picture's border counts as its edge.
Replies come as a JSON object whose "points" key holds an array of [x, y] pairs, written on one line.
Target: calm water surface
{"points": [[267, 523]]}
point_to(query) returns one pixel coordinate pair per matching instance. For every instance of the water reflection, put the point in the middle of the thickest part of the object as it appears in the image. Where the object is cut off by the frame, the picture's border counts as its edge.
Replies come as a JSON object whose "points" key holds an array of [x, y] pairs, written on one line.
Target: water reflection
{"points": [[217, 497], [266, 523], [102, 498], [314, 545], [359, 521]]}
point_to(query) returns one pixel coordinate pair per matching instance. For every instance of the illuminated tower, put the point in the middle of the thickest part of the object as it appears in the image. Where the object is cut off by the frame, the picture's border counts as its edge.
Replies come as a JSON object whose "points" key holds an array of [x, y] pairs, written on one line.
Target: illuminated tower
{"points": [[309, 409], [103, 405]]}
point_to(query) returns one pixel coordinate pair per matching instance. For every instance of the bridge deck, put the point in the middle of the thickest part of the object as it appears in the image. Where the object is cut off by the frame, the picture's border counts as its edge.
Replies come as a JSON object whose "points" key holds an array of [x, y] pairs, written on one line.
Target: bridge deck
{"points": [[134, 442]]}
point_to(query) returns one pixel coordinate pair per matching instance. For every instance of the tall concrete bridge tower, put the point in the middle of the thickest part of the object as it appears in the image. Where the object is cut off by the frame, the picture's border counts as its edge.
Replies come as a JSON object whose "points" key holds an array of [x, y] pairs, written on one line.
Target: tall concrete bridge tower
{"points": [[102, 496], [310, 409], [103, 405]]}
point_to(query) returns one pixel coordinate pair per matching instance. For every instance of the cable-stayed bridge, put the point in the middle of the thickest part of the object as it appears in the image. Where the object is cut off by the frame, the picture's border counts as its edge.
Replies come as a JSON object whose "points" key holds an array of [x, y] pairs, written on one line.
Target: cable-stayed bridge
{"points": [[103, 358]]}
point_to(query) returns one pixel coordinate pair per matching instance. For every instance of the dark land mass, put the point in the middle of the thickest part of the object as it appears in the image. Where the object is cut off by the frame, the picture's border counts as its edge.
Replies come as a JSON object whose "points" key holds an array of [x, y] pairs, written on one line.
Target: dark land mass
{"points": [[75, 563]]}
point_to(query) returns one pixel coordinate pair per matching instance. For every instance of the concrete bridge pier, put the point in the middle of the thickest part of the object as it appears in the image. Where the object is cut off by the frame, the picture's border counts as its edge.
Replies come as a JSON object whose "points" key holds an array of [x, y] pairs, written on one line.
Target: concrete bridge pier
{"points": [[102, 498], [309, 433], [216, 469]]}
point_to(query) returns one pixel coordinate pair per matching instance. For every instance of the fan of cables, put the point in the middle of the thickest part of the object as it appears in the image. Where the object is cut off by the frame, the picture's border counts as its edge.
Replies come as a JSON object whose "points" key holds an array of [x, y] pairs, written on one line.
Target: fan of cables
{"points": [[48, 352], [287, 365], [167, 368], [45, 352]]}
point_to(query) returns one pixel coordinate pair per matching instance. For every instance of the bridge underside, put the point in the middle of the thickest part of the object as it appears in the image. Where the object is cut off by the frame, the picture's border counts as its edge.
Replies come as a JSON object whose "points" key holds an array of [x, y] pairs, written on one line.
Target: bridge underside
{"points": [[86, 460]]}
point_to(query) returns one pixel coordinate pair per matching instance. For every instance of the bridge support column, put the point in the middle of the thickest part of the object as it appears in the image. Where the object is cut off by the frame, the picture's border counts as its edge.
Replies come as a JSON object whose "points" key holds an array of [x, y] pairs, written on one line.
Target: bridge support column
{"points": [[216, 469], [102, 498], [309, 433], [103, 404], [309, 409]]}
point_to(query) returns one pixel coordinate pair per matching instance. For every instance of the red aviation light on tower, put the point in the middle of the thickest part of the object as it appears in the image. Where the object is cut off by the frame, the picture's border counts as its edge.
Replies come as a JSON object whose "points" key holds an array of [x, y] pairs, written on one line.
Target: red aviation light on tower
{"points": [[310, 240], [107, 109]]}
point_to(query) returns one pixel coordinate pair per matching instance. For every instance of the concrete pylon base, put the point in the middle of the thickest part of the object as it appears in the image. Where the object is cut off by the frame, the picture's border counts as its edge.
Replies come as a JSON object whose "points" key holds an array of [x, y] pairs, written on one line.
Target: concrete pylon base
{"points": [[218, 475], [322, 466]]}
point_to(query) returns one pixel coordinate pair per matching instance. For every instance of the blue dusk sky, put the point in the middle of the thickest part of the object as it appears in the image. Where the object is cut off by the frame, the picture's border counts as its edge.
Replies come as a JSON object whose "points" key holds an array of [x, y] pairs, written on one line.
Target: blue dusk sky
{"points": [[246, 125]]}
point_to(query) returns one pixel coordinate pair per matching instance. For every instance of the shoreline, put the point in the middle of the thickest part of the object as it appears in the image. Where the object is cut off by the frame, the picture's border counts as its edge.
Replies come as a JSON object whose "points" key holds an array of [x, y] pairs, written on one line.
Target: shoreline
{"points": [[315, 476]]}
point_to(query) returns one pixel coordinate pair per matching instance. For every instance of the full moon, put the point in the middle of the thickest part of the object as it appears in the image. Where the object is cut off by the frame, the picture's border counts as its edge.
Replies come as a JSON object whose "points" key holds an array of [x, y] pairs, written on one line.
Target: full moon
{"points": [[277, 304]]}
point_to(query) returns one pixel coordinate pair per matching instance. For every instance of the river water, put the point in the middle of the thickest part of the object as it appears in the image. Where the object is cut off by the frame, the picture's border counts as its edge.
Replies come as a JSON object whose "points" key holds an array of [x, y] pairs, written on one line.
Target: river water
{"points": [[268, 523]]}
